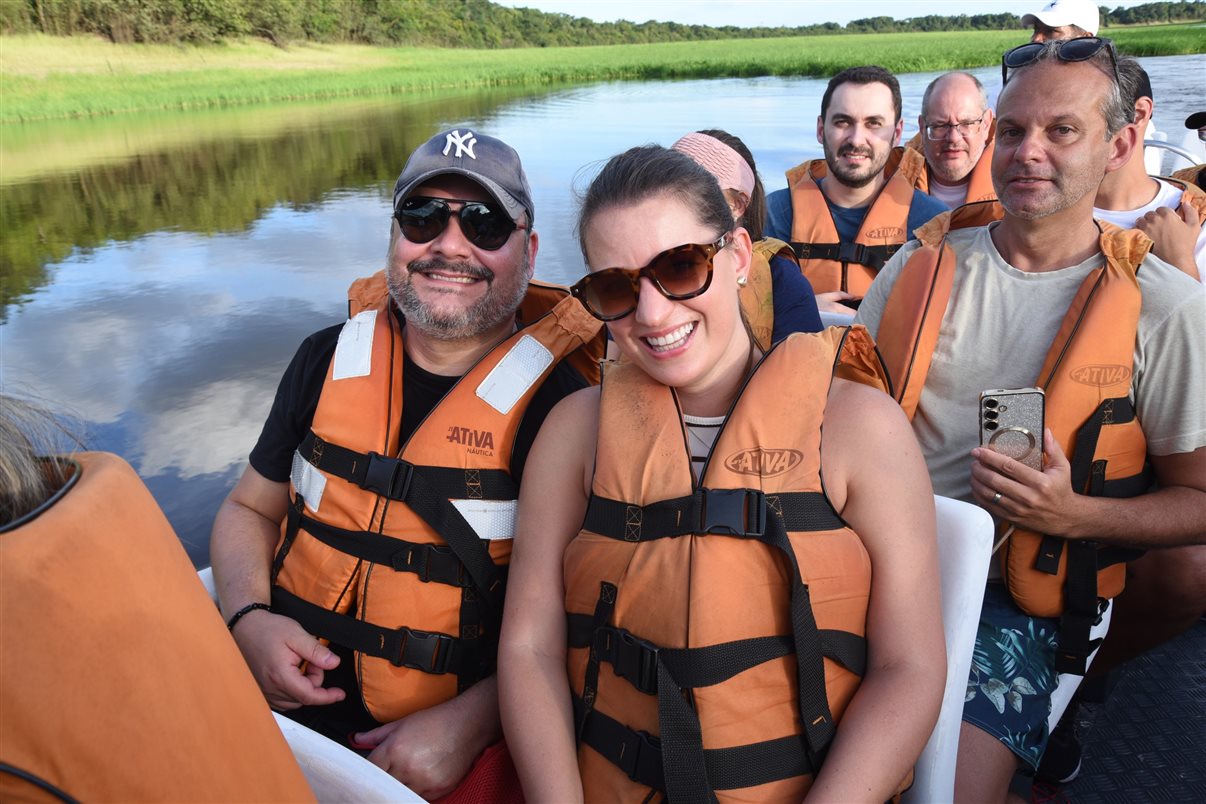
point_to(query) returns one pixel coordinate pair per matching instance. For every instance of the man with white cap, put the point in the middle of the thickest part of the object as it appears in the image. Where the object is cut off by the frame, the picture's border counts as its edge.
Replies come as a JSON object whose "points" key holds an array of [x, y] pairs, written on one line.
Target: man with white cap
{"points": [[1063, 19], [382, 528]]}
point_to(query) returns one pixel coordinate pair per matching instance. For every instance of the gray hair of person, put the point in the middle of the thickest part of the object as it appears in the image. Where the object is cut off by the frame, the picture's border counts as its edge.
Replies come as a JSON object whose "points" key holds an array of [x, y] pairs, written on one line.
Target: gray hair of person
{"points": [[933, 86], [650, 171], [29, 435], [1115, 109], [866, 74]]}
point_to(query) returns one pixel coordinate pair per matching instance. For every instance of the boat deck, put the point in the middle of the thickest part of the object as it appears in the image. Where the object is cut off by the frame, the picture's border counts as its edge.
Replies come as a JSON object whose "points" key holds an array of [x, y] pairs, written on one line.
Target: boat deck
{"points": [[1147, 742]]}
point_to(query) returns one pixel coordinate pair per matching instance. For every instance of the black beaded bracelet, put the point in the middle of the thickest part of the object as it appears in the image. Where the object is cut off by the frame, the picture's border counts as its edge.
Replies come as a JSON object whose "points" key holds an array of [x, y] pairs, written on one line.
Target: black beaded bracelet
{"points": [[238, 615]]}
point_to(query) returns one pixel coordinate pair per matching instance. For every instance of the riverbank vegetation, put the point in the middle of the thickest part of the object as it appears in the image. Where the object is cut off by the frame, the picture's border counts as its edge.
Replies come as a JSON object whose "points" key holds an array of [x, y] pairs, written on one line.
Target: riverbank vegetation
{"points": [[454, 23], [48, 77]]}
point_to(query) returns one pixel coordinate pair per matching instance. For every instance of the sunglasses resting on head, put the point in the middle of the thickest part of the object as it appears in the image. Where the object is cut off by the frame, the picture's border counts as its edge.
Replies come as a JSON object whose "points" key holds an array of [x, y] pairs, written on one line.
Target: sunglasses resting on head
{"points": [[678, 273], [1081, 49], [487, 226]]}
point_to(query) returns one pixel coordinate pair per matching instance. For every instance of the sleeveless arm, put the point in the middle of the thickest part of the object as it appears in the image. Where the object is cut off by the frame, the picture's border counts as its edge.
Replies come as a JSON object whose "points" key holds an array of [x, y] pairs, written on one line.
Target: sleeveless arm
{"points": [[877, 479], [534, 694]]}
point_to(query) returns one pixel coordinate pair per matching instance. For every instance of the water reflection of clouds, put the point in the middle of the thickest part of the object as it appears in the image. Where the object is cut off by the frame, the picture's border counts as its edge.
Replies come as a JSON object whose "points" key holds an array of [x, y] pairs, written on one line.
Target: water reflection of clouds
{"points": [[174, 343]]}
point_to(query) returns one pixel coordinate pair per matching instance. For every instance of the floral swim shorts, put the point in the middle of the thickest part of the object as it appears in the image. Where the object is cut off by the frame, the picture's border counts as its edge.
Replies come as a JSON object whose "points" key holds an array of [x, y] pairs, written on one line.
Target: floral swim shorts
{"points": [[1012, 675]]}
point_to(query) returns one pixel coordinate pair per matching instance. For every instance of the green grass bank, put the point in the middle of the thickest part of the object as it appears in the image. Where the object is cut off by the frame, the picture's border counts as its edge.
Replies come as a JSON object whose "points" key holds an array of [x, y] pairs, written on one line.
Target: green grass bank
{"points": [[44, 77]]}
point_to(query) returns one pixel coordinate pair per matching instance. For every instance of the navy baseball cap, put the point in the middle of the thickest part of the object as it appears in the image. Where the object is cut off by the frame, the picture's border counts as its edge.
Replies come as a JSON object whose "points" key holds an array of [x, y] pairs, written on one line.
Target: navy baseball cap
{"points": [[486, 160]]}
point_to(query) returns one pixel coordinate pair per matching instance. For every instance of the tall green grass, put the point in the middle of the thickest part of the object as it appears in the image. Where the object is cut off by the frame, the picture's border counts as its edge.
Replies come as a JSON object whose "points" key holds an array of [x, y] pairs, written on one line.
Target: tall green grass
{"points": [[42, 78]]}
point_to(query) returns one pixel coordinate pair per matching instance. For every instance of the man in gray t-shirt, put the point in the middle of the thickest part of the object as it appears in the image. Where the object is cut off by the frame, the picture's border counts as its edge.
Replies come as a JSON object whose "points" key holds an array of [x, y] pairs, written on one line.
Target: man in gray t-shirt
{"points": [[1013, 283]]}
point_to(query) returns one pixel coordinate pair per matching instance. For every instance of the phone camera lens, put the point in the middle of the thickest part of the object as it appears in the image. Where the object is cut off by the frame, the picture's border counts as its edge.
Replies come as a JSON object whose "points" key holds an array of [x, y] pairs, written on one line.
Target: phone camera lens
{"points": [[990, 403], [991, 415], [990, 425]]}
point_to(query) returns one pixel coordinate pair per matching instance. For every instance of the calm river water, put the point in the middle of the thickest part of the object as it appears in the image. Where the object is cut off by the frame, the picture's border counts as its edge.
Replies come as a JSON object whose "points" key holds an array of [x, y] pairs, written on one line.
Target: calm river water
{"points": [[157, 273]]}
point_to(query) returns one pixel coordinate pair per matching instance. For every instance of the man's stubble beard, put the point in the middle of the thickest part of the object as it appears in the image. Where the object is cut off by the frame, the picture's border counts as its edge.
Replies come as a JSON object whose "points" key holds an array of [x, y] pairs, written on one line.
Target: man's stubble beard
{"points": [[853, 181], [497, 305]]}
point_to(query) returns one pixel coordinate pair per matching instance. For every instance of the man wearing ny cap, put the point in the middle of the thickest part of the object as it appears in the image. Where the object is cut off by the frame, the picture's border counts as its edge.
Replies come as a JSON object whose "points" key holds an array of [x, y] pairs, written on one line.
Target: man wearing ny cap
{"points": [[361, 558], [1063, 19]]}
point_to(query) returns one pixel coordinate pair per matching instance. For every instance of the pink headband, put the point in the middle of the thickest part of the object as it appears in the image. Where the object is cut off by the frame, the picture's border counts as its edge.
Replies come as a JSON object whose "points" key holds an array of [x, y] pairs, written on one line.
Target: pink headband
{"points": [[728, 166]]}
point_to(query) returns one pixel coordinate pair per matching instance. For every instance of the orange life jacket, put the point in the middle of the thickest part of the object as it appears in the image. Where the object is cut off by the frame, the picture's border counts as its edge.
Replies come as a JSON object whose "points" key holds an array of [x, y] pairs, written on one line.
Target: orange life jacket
{"points": [[120, 681], [744, 594], [1189, 175], [830, 264], [1087, 379], [979, 181], [399, 551], [757, 296]]}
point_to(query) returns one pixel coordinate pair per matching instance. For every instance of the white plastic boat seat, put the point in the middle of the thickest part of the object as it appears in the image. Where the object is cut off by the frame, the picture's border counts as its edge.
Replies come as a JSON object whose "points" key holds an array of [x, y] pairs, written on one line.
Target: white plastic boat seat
{"points": [[335, 773], [1067, 683], [965, 537], [207, 579]]}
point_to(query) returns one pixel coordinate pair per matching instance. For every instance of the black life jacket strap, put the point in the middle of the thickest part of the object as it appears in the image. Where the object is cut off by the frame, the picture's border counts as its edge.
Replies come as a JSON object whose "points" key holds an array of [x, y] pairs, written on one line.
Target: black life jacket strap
{"points": [[1085, 558], [427, 651], [390, 477], [428, 492], [873, 257], [590, 687], [433, 563], [640, 756], [635, 659], [729, 512]]}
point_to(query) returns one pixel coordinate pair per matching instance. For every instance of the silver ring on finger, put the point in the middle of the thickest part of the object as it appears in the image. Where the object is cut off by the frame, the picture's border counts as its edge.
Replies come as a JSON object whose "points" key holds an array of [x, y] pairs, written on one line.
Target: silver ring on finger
{"points": [[996, 498]]}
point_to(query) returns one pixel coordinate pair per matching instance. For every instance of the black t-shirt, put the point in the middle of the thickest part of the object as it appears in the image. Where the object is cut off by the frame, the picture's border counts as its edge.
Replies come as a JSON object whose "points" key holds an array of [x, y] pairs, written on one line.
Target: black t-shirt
{"points": [[288, 423], [297, 398]]}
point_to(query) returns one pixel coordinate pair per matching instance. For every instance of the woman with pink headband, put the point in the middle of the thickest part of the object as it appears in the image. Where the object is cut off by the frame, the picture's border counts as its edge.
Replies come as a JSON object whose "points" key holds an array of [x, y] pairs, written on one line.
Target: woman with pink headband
{"points": [[777, 299]]}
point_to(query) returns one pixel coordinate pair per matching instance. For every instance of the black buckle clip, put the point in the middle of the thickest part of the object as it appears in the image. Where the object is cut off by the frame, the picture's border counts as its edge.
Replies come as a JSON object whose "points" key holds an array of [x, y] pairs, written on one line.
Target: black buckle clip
{"points": [[423, 650], [850, 252], [430, 562], [389, 477], [633, 659], [733, 512], [646, 762]]}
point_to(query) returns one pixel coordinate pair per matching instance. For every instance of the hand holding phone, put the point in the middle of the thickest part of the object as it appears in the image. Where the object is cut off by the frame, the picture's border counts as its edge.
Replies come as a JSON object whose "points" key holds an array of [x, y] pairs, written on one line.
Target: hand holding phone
{"points": [[1011, 423]]}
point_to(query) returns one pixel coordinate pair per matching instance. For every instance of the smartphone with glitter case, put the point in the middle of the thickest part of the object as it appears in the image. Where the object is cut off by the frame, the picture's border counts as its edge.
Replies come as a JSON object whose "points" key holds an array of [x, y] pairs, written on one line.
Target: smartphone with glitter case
{"points": [[1011, 423]]}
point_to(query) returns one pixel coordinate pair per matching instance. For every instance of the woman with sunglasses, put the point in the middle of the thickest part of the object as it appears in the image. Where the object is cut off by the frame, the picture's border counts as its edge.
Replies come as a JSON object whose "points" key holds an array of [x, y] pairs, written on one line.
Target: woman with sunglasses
{"points": [[776, 299], [676, 549]]}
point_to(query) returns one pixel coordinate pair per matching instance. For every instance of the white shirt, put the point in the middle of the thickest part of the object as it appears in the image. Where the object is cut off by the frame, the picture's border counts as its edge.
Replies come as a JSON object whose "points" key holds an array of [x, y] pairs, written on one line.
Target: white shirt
{"points": [[1169, 196], [951, 196]]}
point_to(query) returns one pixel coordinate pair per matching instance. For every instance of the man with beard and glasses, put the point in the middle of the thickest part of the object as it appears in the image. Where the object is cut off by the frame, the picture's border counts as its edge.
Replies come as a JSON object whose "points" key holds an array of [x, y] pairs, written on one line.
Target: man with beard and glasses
{"points": [[361, 558], [956, 135], [845, 215], [1114, 336]]}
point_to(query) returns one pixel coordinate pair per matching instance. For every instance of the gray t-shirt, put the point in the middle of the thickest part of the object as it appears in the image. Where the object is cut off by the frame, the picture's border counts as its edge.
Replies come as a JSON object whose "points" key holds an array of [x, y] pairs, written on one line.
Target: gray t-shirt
{"points": [[996, 332]]}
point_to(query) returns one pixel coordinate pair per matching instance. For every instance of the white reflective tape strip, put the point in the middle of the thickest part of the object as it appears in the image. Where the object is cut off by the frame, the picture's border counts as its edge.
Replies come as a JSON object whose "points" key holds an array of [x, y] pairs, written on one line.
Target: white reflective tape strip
{"points": [[354, 352], [307, 481], [492, 519], [515, 374]]}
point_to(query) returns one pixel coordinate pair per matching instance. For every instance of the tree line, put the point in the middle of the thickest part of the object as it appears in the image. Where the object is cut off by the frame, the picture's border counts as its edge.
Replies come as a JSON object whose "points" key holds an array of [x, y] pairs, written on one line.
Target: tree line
{"points": [[451, 23]]}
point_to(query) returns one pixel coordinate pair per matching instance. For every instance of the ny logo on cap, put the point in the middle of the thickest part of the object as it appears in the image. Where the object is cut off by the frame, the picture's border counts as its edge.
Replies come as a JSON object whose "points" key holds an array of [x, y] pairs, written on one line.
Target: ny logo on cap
{"points": [[464, 143]]}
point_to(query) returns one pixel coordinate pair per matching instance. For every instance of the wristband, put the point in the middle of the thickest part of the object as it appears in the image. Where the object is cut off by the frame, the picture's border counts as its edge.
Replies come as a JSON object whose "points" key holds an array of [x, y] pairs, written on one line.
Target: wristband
{"points": [[238, 615]]}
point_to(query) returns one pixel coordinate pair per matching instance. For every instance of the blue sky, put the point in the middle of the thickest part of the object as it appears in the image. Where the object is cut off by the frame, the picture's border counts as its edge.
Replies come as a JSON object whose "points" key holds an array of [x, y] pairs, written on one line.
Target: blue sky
{"points": [[777, 12]]}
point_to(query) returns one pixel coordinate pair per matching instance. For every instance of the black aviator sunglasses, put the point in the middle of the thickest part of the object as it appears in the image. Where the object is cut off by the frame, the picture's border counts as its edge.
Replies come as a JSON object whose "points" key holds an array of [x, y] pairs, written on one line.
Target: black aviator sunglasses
{"points": [[485, 225], [1081, 49]]}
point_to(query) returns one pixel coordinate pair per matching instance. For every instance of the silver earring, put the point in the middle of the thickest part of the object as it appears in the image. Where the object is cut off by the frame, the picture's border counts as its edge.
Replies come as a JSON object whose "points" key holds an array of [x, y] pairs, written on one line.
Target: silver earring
{"points": [[741, 280]]}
